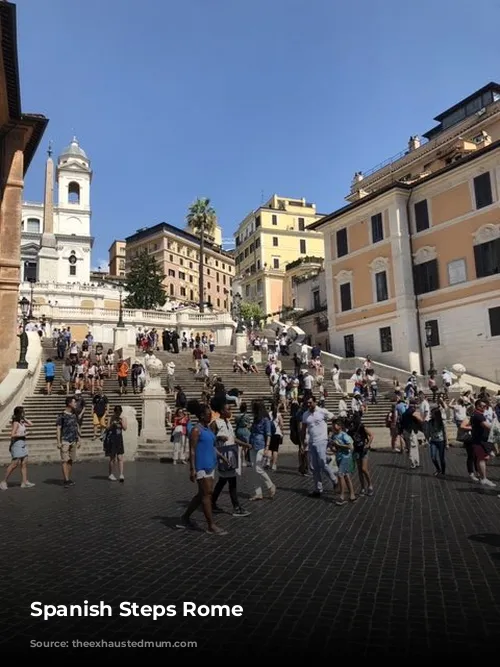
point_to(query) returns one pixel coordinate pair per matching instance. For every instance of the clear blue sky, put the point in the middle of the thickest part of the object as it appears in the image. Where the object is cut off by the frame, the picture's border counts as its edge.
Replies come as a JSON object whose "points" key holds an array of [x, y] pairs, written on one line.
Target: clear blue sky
{"points": [[238, 99]]}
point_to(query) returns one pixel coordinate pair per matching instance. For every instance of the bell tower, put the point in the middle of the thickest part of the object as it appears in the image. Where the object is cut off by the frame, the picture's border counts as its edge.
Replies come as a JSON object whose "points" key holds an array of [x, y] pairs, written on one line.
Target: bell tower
{"points": [[74, 177]]}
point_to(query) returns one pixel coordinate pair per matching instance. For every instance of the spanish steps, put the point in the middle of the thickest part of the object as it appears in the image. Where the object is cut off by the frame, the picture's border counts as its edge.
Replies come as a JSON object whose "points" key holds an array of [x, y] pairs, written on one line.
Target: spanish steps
{"points": [[42, 410]]}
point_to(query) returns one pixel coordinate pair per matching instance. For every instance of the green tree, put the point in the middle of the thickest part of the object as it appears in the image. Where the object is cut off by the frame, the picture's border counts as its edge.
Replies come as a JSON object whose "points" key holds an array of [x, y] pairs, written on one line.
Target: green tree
{"points": [[145, 284], [252, 311], [201, 219]]}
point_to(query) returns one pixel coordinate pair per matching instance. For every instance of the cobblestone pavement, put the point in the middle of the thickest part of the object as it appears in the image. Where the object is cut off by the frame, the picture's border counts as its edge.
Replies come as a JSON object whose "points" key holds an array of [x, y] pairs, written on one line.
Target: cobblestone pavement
{"points": [[411, 572]]}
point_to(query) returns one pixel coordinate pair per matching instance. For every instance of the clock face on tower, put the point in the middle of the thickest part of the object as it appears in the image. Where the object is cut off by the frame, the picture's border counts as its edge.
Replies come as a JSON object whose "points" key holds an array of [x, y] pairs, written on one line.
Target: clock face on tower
{"points": [[72, 259]]}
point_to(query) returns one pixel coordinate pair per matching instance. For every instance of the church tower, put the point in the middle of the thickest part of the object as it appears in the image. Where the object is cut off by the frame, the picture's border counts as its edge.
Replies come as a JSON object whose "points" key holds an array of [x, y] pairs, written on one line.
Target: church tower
{"points": [[74, 177]]}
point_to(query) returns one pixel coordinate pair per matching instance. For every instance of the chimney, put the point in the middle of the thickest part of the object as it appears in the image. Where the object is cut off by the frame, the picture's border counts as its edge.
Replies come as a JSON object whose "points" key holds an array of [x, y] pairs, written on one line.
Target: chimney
{"points": [[414, 143]]}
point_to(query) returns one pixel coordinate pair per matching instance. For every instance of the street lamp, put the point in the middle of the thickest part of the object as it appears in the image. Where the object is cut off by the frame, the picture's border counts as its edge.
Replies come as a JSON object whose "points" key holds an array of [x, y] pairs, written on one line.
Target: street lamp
{"points": [[428, 343], [120, 311], [25, 307], [236, 312], [32, 285]]}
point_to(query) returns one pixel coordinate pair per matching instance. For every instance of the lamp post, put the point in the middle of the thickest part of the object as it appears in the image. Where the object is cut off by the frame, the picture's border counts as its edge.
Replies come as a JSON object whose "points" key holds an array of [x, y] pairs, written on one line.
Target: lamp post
{"points": [[428, 344], [236, 312], [25, 307], [32, 285], [120, 311]]}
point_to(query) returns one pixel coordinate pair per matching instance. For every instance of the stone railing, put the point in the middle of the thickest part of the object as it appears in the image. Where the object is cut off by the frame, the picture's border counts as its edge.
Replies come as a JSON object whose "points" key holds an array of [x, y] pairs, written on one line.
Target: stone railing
{"points": [[19, 383]]}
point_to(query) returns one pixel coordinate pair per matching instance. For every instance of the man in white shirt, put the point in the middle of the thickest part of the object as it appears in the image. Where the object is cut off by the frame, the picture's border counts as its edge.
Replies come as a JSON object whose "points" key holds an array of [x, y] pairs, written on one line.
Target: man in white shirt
{"points": [[425, 412], [343, 406], [315, 426], [308, 384]]}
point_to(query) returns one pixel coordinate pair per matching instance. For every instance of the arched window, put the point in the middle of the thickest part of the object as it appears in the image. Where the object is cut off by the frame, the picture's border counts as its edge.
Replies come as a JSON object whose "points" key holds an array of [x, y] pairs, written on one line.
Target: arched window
{"points": [[73, 193], [33, 225]]}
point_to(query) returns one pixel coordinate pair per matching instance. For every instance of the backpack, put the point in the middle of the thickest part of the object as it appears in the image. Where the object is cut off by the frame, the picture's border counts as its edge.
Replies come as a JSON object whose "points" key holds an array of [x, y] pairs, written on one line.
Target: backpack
{"points": [[388, 420]]}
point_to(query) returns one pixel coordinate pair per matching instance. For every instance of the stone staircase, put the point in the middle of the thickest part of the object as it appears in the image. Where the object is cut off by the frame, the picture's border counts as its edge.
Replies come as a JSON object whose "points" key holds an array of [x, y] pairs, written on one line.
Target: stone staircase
{"points": [[42, 410]]}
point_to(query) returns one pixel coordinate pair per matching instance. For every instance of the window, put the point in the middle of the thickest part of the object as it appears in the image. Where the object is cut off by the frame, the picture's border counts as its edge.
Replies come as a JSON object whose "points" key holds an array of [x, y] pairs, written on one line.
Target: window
{"points": [[183, 291], [257, 221], [30, 272], [482, 190], [381, 286], [73, 193], [342, 247], [171, 273], [433, 325], [302, 224], [275, 241], [385, 339], [349, 346], [377, 228], [426, 277], [316, 301], [457, 271], [191, 295], [182, 275], [421, 216], [487, 258], [494, 314], [33, 225], [345, 297], [274, 219], [303, 246], [276, 263], [72, 270], [172, 290]]}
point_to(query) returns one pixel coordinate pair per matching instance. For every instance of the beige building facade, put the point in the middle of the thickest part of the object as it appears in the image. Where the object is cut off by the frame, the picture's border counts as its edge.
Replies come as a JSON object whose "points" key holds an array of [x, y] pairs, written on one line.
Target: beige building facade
{"points": [[177, 252], [20, 135], [414, 258], [117, 258], [267, 240]]}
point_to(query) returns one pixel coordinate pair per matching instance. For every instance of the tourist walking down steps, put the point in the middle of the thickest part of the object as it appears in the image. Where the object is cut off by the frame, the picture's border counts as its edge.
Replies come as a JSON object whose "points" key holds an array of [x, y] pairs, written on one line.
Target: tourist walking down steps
{"points": [[315, 425]]}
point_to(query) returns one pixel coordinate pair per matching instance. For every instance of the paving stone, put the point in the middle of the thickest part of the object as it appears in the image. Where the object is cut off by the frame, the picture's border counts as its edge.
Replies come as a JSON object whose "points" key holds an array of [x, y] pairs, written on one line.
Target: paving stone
{"points": [[411, 572]]}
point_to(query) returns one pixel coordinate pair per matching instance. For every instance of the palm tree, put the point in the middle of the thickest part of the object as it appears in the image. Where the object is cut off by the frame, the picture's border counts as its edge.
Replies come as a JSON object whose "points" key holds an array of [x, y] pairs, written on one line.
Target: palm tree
{"points": [[201, 219]]}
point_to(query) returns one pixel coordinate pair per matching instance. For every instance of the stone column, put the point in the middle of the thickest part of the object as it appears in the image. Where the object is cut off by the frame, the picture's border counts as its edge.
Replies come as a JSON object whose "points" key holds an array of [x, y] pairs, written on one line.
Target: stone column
{"points": [[121, 344], [10, 246], [131, 435], [153, 404], [240, 343]]}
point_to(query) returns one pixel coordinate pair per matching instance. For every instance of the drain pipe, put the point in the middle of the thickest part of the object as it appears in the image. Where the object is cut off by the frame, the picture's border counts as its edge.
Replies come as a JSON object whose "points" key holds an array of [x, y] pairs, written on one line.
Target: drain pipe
{"points": [[417, 306]]}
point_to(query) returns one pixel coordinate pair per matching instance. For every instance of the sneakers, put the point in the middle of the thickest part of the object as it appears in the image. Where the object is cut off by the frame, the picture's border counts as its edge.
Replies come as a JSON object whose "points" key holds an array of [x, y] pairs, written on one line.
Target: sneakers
{"points": [[112, 478], [122, 479], [239, 511], [474, 478], [68, 483], [27, 485], [185, 524], [487, 482], [3, 486]]}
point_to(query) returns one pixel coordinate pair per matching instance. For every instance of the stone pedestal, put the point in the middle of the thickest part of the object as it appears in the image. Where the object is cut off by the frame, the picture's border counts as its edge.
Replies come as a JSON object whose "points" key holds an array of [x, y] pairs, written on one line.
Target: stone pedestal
{"points": [[257, 356], [121, 344], [240, 343], [153, 403], [131, 435]]}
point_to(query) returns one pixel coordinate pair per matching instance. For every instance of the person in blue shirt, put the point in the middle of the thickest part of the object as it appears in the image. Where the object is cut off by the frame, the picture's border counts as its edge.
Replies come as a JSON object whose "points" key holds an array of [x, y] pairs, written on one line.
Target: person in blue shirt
{"points": [[50, 372], [203, 461], [342, 443], [260, 440]]}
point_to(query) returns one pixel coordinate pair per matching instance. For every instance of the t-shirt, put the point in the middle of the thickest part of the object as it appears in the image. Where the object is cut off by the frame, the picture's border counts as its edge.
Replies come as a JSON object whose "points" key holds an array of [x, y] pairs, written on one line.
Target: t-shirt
{"points": [[50, 369], [344, 443], [478, 433], [408, 421], [205, 457], [69, 426], [100, 404], [317, 425]]}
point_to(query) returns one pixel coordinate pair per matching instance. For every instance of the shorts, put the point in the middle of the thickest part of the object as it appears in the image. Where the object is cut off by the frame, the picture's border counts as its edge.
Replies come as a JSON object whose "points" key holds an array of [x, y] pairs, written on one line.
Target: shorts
{"points": [[99, 421], [345, 465], [480, 453], [49, 379], [360, 454], [205, 474], [68, 451], [122, 382], [276, 441]]}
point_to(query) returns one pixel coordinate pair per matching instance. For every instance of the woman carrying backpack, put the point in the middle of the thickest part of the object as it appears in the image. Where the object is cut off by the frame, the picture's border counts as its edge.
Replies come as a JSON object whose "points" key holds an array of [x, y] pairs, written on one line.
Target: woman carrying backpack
{"points": [[113, 443], [277, 427], [437, 441]]}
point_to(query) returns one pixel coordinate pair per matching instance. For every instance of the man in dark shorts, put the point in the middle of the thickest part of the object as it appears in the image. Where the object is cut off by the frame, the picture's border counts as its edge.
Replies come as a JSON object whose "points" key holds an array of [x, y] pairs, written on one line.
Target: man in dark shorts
{"points": [[100, 407], [480, 429]]}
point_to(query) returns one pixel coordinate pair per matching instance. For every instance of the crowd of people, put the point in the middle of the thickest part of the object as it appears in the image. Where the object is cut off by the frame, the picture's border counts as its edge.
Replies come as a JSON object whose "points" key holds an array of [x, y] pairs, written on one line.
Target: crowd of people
{"points": [[219, 434]]}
